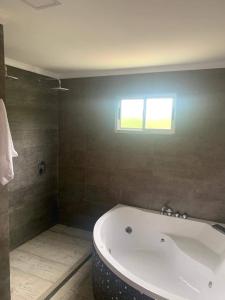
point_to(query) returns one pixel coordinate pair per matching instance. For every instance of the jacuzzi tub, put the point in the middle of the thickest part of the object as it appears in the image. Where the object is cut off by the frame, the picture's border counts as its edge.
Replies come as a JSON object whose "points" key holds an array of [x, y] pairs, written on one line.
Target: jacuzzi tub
{"points": [[157, 257]]}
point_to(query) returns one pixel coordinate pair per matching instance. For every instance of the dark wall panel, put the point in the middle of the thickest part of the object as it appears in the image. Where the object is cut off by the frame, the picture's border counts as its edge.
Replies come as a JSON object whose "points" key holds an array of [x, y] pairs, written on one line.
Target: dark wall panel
{"points": [[100, 168], [4, 223], [33, 116]]}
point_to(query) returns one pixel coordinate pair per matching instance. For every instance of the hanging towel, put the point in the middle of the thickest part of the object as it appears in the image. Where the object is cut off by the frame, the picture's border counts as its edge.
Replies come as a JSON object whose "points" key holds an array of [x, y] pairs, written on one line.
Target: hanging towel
{"points": [[7, 151]]}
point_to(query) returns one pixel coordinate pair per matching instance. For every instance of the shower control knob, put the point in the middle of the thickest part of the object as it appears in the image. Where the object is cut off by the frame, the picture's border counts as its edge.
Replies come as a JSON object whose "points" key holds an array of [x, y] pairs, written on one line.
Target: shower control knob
{"points": [[163, 210], [169, 212], [177, 214], [41, 167], [184, 216]]}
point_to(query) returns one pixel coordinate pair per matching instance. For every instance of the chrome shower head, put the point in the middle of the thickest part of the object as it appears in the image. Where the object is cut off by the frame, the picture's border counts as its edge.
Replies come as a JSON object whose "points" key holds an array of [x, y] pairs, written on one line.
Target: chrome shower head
{"points": [[60, 88], [9, 76]]}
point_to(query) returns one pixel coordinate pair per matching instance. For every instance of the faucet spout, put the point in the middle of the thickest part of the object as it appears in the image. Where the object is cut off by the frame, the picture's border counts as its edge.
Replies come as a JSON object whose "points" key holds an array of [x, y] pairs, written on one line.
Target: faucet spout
{"points": [[167, 211]]}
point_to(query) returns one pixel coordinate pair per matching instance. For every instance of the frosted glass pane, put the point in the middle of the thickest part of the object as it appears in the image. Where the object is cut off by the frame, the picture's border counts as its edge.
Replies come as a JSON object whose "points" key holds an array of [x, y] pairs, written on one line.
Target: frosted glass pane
{"points": [[131, 113], [159, 112]]}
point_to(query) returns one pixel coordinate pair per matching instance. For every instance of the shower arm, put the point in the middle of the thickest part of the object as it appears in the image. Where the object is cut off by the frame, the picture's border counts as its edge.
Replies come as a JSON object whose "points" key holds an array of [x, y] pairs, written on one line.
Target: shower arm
{"points": [[9, 76]]}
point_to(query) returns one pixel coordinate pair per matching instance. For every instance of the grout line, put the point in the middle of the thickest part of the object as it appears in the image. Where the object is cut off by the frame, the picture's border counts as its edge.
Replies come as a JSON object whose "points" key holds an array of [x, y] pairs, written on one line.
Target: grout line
{"points": [[41, 257], [56, 285], [71, 270], [65, 233], [33, 275], [86, 254], [67, 278], [73, 235]]}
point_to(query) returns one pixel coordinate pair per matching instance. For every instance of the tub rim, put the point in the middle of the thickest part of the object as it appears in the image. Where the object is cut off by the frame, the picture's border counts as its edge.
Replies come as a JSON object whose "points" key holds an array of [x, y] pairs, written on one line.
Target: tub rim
{"points": [[128, 277]]}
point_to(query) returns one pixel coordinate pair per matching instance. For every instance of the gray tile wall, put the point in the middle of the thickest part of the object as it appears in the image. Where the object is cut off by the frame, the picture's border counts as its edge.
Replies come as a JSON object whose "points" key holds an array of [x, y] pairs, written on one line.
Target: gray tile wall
{"points": [[100, 168], [4, 224], [33, 116]]}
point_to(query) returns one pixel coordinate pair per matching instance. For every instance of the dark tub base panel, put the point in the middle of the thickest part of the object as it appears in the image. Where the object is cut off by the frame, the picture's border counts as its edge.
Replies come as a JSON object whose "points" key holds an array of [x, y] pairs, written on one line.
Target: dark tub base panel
{"points": [[107, 286]]}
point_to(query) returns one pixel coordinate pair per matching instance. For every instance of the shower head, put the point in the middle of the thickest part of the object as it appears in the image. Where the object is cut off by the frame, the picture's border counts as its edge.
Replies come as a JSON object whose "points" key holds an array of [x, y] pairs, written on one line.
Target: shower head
{"points": [[59, 87], [9, 76], [12, 77]]}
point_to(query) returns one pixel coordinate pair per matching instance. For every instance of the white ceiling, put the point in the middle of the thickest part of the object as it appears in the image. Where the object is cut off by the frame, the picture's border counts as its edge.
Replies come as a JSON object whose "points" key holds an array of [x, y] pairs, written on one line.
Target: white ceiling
{"points": [[96, 37]]}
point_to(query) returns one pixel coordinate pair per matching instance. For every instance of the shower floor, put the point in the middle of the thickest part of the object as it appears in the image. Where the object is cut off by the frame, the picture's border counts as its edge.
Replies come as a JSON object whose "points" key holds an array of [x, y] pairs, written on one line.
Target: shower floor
{"points": [[40, 265]]}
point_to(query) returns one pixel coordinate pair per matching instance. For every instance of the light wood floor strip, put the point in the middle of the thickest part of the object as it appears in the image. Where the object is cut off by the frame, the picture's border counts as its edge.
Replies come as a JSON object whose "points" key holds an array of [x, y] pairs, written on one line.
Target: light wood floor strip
{"points": [[36, 265], [79, 287], [57, 247], [26, 286], [41, 264], [75, 232]]}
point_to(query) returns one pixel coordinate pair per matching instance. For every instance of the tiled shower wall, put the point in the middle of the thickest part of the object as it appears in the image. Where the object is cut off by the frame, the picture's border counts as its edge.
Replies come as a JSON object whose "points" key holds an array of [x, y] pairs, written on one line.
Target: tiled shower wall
{"points": [[33, 116], [100, 168], [4, 227]]}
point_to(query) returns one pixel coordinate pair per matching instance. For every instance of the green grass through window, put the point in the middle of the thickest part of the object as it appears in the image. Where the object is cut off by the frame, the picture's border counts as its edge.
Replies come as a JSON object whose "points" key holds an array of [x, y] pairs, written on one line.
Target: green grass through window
{"points": [[131, 123], [150, 124]]}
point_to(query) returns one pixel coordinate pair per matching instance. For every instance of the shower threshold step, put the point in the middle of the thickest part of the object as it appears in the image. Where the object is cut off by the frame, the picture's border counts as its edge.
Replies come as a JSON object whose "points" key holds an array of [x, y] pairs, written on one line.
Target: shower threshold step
{"points": [[42, 265]]}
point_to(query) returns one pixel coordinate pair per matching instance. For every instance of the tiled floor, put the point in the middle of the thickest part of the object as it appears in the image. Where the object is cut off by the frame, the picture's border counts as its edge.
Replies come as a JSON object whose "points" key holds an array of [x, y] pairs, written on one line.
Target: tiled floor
{"points": [[79, 287], [38, 266]]}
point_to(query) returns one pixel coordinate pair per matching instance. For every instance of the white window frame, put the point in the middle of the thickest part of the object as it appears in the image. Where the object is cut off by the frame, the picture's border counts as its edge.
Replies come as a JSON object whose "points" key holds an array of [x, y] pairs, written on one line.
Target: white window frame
{"points": [[144, 130]]}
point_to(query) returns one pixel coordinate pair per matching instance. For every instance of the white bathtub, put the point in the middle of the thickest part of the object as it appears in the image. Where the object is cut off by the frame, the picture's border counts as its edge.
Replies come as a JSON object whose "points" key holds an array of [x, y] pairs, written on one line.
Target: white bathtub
{"points": [[163, 257]]}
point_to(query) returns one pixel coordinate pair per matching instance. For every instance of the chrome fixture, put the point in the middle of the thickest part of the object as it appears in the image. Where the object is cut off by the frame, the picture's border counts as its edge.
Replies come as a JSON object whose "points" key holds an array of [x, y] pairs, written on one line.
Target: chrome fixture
{"points": [[163, 210], [9, 76], [184, 216], [177, 214], [41, 167], [59, 87], [168, 211]]}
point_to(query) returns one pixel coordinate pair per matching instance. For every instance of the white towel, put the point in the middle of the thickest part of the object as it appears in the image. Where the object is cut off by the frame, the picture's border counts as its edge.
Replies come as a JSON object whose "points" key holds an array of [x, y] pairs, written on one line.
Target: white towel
{"points": [[7, 151]]}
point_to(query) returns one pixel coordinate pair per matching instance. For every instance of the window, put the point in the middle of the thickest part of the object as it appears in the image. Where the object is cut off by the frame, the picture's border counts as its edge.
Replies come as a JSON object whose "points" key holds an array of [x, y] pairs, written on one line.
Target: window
{"points": [[147, 115]]}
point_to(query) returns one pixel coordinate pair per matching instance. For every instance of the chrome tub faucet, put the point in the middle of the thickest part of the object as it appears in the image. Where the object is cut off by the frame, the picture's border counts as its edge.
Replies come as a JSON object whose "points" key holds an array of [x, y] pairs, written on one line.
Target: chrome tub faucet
{"points": [[168, 211], [165, 210]]}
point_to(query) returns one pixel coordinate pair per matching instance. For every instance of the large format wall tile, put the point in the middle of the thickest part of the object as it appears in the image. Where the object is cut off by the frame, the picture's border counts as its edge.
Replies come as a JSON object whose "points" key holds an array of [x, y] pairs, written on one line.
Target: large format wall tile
{"points": [[100, 168], [33, 116]]}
